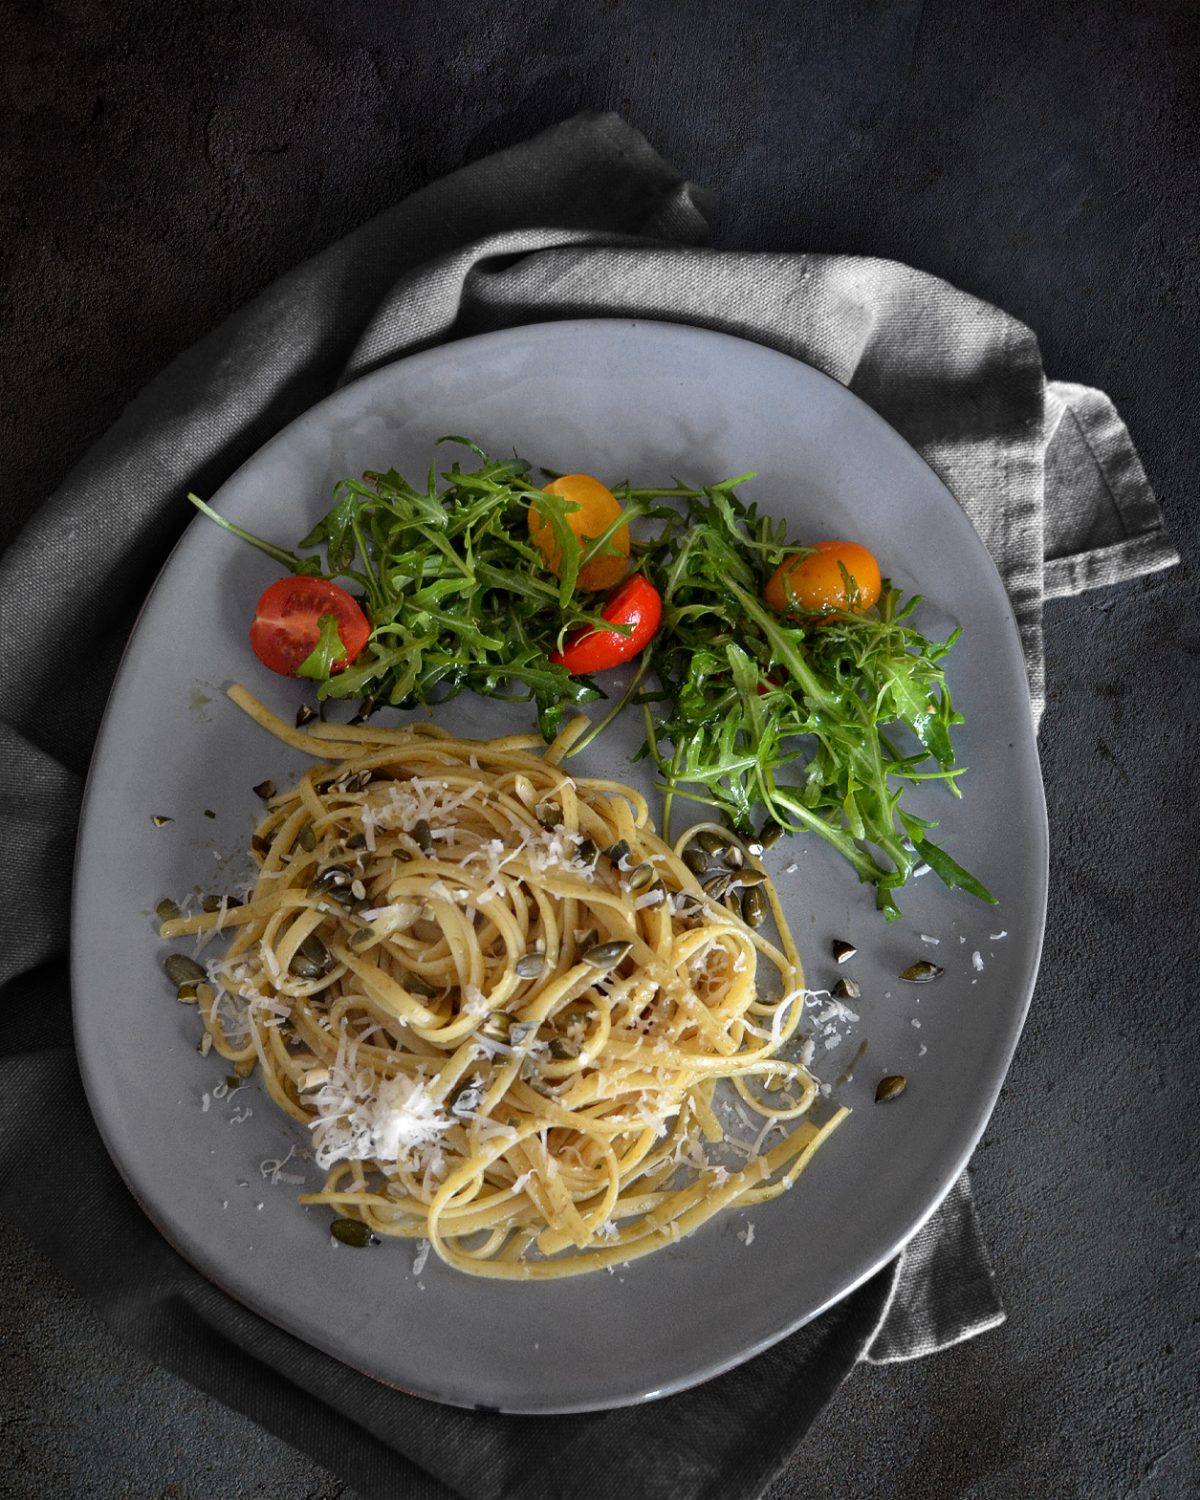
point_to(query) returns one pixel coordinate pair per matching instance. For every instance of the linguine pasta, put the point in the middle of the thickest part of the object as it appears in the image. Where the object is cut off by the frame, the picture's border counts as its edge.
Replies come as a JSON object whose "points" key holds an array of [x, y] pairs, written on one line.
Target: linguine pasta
{"points": [[506, 1012]]}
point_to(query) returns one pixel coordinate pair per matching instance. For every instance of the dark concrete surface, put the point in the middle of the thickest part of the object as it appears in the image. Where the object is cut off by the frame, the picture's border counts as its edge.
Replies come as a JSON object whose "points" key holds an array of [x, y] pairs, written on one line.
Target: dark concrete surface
{"points": [[161, 162]]}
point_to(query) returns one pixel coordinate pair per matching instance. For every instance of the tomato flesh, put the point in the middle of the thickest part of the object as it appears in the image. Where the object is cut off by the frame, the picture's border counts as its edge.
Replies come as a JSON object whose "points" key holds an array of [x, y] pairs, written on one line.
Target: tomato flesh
{"points": [[814, 585], [637, 604], [287, 623], [598, 509]]}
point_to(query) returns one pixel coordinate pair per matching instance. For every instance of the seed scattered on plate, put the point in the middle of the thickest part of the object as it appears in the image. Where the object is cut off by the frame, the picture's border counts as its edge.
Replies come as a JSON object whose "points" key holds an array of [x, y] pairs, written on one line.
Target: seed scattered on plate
{"points": [[265, 790], [160, 820], [847, 989], [842, 950], [890, 1087], [305, 715], [351, 1232], [921, 972]]}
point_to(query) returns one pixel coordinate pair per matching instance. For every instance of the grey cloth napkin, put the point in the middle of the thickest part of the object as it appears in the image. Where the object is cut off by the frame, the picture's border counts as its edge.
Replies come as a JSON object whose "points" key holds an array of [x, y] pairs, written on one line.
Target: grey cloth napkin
{"points": [[584, 220]]}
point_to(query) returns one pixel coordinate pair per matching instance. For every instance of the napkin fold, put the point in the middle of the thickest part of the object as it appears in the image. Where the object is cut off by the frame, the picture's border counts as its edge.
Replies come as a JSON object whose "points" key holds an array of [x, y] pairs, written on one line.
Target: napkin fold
{"points": [[583, 220]]}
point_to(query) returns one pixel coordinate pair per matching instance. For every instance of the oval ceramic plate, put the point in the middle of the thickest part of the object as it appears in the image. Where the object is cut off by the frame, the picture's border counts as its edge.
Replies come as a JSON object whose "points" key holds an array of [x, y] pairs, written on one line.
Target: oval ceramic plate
{"points": [[642, 401]]}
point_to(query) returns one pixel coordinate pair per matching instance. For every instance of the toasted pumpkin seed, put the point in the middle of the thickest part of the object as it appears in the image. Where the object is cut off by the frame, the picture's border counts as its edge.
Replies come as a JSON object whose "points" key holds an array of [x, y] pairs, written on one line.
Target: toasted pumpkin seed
{"points": [[265, 790], [695, 859], [711, 842], [843, 950], [305, 715], [160, 820], [417, 984], [351, 1232], [716, 885], [733, 856], [770, 833], [640, 878], [847, 989], [585, 937], [531, 966], [754, 906], [259, 844], [562, 1050], [607, 955], [334, 877], [356, 841], [312, 960], [750, 876], [548, 814], [921, 972], [423, 835], [588, 852], [167, 910], [619, 851], [183, 970], [307, 838], [210, 903], [498, 1025], [890, 1087]]}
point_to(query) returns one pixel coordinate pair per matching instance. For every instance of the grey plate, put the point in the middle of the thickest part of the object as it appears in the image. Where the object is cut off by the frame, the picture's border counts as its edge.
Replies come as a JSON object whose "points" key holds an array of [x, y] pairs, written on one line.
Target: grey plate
{"points": [[638, 400]]}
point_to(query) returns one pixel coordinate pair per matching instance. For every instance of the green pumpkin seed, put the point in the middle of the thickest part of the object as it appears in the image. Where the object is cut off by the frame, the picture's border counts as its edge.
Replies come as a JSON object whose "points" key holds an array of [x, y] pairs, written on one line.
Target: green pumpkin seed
{"points": [[562, 1050], [265, 790], [695, 859], [641, 877], [416, 984], [307, 838], [334, 877], [588, 852], [312, 960], [890, 1087], [305, 715], [733, 856], [531, 966], [843, 950], [847, 989], [166, 910], [160, 820], [717, 885], [619, 851], [754, 906], [921, 972], [607, 955], [356, 841], [351, 1232], [183, 970], [585, 938], [423, 835], [548, 814], [711, 842], [498, 1026], [770, 833], [260, 845], [750, 877]]}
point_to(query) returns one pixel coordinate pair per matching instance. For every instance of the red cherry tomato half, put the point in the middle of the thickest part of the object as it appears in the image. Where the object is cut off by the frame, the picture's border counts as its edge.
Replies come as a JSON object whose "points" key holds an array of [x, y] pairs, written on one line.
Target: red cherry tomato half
{"points": [[287, 623], [636, 603]]}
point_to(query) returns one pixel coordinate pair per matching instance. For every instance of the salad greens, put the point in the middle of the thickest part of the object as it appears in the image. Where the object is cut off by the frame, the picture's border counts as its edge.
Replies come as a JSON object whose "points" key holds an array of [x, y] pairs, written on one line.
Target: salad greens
{"points": [[820, 724]]}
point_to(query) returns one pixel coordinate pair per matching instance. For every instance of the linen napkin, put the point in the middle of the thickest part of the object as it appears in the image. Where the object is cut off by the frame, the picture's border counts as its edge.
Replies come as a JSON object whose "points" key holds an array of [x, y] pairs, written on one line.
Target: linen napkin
{"points": [[584, 220]]}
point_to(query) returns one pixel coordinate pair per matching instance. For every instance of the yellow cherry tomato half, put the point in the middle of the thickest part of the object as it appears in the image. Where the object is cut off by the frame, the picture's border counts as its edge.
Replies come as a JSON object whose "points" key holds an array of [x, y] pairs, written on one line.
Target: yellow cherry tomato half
{"points": [[598, 509], [815, 585]]}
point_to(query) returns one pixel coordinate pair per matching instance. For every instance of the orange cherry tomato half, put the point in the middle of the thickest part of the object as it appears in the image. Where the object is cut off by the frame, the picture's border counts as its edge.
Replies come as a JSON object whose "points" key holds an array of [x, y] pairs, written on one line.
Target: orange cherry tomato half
{"points": [[287, 623], [636, 603], [814, 585], [598, 509]]}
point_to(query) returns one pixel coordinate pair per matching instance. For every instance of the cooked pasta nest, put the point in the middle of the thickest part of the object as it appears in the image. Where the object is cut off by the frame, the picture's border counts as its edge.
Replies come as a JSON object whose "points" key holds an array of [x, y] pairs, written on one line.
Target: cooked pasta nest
{"points": [[508, 1015]]}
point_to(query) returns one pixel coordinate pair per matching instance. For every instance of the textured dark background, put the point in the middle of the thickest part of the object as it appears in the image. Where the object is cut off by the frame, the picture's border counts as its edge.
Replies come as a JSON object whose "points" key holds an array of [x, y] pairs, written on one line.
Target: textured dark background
{"points": [[163, 161]]}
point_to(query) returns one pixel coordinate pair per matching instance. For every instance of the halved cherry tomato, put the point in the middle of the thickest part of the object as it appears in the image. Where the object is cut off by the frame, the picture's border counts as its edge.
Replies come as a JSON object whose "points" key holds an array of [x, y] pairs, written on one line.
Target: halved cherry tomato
{"points": [[287, 623], [598, 509], [635, 603], [814, 585]]}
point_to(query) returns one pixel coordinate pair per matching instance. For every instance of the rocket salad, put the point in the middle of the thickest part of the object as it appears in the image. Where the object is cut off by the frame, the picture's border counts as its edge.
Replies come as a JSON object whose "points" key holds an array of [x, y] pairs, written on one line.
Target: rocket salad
{"points": [[779, 682]]}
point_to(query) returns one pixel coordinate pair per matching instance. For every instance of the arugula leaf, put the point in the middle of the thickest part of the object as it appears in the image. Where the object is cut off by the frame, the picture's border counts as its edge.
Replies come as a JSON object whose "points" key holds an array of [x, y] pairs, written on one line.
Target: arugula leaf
{"points": [[318, 664]]}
